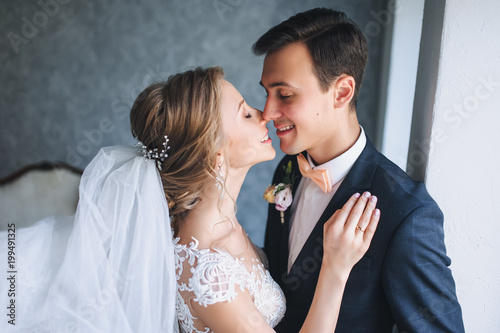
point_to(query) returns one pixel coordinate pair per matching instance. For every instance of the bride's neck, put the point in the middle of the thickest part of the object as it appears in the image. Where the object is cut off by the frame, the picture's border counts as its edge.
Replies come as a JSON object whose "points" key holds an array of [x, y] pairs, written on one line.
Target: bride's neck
{"points": [[214, 218]]}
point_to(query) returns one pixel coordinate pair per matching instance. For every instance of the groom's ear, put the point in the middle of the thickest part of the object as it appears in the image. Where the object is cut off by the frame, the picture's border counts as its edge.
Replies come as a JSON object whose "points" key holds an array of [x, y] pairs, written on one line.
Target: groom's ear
{"points": [[343, 91]]}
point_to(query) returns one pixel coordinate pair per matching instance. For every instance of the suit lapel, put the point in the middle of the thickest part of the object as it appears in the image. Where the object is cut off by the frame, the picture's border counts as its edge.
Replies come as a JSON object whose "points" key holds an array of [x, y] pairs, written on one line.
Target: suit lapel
{"points": [[283, 230], [296, 176]]}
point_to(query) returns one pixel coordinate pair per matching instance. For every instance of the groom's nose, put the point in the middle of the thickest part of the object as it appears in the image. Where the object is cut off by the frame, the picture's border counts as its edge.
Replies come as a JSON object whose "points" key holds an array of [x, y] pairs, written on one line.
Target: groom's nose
{"points": [[271, 111]]}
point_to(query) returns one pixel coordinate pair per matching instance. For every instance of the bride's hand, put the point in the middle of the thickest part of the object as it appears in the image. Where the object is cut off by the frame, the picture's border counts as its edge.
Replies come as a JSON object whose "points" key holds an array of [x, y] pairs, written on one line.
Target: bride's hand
{"points": [[348, 233]]}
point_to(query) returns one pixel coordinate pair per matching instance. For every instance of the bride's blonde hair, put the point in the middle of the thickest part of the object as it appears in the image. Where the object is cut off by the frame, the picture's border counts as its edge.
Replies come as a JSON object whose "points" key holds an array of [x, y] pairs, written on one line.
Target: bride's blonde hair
{"points": [[186, 108]]}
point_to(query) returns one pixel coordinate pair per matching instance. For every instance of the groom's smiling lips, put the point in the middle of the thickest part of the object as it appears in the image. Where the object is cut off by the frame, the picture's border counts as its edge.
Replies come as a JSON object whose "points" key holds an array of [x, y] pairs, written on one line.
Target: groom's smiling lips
{"points": [[283, 130]]}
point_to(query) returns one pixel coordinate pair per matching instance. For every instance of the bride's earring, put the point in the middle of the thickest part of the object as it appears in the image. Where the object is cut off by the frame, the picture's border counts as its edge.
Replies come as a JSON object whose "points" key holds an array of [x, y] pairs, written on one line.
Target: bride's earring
{"points": [[219, 179]]}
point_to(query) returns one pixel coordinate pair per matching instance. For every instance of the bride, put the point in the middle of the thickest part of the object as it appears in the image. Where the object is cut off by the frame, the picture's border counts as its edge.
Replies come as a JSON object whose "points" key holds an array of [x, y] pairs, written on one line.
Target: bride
{"points": [[116, 266]]}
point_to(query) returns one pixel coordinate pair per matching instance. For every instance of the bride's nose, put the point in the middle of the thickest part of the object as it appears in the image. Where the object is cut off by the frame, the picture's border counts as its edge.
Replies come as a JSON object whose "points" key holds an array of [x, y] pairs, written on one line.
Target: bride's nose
{"points": [[262, 121]]}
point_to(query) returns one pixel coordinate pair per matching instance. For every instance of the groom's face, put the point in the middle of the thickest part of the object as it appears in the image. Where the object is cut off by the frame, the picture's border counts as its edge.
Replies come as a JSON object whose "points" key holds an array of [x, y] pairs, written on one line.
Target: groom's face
{"points": [[303, 114]]}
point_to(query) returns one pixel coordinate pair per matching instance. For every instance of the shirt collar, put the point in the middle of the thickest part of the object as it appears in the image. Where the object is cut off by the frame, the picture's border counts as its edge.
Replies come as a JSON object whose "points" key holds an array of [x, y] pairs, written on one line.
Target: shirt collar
{"points": [[339, 167]]}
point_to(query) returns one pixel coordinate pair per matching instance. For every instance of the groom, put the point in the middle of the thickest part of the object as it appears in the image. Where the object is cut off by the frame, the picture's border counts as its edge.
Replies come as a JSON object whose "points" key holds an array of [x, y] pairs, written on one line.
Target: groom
{"points": [[313, 69]]}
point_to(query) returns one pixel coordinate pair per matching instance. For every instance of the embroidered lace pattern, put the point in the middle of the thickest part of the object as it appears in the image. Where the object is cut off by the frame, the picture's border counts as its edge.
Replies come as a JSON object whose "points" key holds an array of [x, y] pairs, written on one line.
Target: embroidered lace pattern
{"points": [[210, 276]]}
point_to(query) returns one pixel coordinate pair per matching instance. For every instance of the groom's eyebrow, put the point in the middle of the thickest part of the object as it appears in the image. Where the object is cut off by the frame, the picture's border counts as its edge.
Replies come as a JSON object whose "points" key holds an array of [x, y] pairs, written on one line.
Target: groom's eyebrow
{"points": [[277, 84]]}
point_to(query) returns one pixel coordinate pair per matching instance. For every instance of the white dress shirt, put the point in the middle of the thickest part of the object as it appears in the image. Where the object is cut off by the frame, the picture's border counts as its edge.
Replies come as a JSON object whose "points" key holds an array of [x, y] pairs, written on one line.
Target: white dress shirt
{"points": [[310, 201]]}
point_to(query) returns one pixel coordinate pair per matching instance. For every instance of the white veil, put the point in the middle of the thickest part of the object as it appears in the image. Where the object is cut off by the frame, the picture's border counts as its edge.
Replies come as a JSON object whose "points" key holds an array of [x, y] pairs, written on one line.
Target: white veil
{"points": [[117, 272]]}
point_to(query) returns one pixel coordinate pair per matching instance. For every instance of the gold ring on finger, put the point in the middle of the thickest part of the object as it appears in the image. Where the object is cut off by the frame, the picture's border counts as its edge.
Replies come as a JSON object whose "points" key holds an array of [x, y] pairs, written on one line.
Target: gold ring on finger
{"points": [[360, 229]]}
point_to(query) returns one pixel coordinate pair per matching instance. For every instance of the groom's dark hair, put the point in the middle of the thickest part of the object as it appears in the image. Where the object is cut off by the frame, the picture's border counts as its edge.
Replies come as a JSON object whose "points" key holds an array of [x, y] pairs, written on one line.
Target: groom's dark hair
{"points": [[337, 45]]}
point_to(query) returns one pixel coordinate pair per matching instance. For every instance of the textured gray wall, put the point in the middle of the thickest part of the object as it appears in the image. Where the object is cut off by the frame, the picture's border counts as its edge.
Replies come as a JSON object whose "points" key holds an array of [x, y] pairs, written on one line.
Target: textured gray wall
{"points": [[71, 70]]}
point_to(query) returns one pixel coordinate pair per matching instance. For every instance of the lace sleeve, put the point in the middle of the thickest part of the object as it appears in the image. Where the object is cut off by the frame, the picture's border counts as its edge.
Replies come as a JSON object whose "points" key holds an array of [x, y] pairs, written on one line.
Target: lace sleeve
{"points": [[215, 275], [209, 277]]}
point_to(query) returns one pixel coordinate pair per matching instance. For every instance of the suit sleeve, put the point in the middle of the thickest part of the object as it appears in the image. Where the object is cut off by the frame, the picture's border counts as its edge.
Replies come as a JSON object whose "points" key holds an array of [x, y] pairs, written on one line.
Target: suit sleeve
{"points": [[417, 280]]}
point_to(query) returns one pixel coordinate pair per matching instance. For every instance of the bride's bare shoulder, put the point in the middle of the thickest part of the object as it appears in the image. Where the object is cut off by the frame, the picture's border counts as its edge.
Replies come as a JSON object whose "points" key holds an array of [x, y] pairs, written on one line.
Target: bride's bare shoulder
{"points": [[223, 236]]}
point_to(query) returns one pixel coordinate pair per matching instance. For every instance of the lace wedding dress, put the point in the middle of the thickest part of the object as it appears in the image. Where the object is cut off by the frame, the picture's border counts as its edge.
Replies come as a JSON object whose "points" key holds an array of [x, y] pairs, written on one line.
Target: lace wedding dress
{"points": [[210, 276]]}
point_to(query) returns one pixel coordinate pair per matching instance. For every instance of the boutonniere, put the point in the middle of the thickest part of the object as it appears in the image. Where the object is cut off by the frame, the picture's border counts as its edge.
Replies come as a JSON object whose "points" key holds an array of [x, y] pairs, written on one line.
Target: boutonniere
{"points": [[281, 194]]}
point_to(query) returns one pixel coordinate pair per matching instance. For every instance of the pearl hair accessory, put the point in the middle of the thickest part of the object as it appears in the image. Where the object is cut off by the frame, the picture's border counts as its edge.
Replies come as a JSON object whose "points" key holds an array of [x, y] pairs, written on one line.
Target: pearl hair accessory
{"points": [[153, 154]]}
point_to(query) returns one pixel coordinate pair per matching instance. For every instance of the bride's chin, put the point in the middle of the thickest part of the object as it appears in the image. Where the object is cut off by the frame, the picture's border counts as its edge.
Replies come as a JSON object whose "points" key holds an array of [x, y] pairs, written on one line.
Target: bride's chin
{"points": [[271, 155]]}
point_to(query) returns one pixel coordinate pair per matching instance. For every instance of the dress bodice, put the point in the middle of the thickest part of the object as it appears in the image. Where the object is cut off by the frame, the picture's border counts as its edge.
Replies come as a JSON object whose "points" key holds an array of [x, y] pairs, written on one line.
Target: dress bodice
{"points": [[209, 276]]}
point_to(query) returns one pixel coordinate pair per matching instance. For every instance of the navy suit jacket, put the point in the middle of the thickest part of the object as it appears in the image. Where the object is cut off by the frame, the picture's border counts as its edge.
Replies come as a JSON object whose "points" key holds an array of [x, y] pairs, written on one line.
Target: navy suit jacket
{"points": [[404, 276]]}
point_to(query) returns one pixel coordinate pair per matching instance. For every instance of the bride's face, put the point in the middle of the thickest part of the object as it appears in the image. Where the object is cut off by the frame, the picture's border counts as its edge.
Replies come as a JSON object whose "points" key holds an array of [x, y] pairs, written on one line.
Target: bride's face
{"points": [[247, 140]]}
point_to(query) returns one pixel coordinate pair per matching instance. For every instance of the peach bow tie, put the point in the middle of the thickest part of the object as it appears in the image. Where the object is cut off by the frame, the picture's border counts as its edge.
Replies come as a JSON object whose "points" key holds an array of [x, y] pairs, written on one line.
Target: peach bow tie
{"points": [[319, 177]]}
